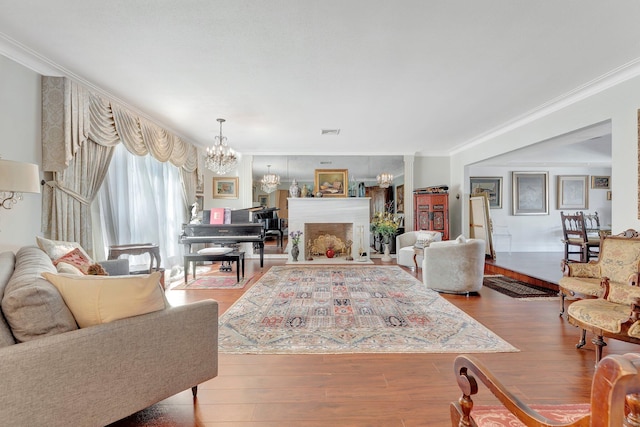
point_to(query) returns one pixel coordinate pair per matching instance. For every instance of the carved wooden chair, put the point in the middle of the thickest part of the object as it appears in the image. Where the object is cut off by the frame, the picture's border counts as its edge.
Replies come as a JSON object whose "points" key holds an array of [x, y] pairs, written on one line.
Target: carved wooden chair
{"points": [[576, 240], [615, 398]]}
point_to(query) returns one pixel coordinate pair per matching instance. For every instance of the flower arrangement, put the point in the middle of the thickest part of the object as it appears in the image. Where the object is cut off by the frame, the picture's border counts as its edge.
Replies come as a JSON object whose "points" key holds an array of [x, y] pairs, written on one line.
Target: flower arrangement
{"points": [[385, 223], [295, 237]]}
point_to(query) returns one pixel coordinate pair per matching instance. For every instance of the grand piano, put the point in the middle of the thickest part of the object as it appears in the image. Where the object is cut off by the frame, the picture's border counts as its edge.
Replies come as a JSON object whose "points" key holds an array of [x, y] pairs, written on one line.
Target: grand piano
{"points": [[273, 225], [239, 232]]}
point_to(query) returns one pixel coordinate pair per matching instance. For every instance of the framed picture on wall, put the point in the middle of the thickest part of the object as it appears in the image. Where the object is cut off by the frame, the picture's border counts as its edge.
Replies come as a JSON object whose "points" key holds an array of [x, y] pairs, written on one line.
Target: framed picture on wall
{"points": [[263, 200], [573, 192], [489, 185], [530, 193], [225, 188], [332, 182], [600, 182], [400, 198]]}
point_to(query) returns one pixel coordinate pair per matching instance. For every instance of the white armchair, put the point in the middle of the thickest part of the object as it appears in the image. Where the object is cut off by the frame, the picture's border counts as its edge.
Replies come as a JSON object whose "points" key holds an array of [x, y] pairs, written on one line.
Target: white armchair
{"points": [[406, 241], [454, 266]]}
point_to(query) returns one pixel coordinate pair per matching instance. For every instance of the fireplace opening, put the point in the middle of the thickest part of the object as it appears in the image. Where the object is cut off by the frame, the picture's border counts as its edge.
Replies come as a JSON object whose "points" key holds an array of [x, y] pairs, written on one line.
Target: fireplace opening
{"points": [[318, 237]]}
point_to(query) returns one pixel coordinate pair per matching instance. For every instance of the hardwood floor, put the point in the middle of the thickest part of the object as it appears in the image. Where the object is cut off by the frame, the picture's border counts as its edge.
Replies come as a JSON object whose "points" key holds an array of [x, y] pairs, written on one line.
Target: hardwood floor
{"points": [[385, 390]]}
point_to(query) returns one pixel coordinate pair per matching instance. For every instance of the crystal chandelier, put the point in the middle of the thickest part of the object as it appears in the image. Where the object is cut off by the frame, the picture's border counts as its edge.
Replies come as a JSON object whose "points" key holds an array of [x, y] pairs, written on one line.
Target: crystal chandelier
{"points": [[220, 158], [270, 182], [385, 180]]}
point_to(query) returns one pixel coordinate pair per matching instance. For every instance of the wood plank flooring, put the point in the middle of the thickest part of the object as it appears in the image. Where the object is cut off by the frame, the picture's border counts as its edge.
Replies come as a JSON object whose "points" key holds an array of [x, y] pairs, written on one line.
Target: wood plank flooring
{"points": [[385, 390]]}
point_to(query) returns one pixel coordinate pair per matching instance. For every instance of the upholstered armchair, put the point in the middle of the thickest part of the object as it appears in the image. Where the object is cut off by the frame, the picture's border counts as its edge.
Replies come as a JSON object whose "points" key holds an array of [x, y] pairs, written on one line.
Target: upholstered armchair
{"points": [[454, 266], [406, 241]]}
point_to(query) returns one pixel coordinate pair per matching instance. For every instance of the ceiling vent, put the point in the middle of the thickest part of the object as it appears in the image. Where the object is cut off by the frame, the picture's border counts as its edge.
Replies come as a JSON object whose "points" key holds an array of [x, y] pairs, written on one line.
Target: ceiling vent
{"points": [[330, 131]]}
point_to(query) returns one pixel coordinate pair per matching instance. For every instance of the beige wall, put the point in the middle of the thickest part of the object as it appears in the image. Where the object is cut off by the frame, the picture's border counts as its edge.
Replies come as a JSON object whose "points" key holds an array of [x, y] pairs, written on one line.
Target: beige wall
{"points": [[20, 141]]}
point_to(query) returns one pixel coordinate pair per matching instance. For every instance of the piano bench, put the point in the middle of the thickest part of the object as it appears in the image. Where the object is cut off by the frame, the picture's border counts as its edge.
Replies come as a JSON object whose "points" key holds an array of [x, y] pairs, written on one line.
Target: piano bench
{"points": [[237, 256]]}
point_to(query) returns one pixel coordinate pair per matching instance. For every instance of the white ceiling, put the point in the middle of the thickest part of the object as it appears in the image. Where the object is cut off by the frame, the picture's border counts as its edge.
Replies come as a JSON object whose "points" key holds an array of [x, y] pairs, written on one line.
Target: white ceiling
{"points": [[396, 77]]}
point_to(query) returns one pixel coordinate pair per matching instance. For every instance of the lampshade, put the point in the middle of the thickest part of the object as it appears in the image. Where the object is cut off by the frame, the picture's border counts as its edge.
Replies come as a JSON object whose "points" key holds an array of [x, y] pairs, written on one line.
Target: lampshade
{"points": [[19, 177]]}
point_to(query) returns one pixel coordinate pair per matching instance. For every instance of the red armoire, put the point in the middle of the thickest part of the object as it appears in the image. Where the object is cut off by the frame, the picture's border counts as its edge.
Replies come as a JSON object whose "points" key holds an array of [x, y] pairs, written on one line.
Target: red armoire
{"points": [[431, 212]]}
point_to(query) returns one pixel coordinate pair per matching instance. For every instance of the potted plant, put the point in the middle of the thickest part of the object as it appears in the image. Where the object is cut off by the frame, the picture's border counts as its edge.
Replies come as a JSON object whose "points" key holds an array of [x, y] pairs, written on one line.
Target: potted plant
{"points": [[385, 224], [295, 241]]}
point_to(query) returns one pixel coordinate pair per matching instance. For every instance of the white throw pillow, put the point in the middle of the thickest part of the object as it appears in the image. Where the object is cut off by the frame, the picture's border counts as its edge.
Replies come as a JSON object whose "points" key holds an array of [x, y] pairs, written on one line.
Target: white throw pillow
{"points": [[215, 251], [101, 299], [461, 239], [58, 248]]}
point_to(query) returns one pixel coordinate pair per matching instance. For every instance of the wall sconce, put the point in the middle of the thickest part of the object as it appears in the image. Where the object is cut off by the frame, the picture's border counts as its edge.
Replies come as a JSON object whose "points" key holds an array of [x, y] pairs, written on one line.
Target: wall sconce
{"points": [[17, 178]]}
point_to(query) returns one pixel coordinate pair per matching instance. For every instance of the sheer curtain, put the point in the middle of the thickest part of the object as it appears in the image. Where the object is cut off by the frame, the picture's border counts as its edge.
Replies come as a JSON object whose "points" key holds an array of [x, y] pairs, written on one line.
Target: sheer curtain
{"points": [[141, 201]]}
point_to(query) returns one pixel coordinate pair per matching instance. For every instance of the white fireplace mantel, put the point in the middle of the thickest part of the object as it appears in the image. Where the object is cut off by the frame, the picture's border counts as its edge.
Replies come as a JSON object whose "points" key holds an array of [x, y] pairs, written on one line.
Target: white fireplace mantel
{"points": [[353, 210]]}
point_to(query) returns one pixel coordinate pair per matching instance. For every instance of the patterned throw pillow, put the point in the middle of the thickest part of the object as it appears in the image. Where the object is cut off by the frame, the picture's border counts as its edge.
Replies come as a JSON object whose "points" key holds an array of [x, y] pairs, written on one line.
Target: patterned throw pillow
{"points": [[75, 258], [57, 248]]}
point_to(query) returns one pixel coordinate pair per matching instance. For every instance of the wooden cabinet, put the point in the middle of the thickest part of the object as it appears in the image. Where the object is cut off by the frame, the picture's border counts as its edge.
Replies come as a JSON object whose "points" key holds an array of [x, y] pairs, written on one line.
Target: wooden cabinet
{"points": [[431, 212]]}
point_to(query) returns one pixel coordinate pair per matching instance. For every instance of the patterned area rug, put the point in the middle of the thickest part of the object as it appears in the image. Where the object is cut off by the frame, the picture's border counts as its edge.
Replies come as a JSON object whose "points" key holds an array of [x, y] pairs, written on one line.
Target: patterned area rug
{"points": [[498, 416], [349, 309], [517, 289], [214, 282]]}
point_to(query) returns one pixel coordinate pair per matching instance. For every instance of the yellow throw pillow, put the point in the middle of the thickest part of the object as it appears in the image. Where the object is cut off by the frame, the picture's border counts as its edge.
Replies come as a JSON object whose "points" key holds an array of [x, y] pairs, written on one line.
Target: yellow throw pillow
{"points": [[101, 299]]}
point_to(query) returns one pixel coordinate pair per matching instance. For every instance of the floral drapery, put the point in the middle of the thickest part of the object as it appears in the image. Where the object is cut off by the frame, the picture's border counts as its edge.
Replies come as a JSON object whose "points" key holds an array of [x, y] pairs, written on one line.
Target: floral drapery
{"points": [[79, 130]]}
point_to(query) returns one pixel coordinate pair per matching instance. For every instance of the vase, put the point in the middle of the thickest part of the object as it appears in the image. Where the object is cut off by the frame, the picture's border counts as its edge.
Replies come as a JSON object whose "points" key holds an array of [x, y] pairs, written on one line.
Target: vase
{"points": [[294, 190], [295, 251], [330, 253], [387, 250]]}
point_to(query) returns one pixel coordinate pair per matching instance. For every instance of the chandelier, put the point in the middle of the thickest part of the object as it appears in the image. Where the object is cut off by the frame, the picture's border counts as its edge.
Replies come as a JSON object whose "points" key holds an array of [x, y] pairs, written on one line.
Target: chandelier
{"points": [[385, 180], [270, 182], [220, 158]]}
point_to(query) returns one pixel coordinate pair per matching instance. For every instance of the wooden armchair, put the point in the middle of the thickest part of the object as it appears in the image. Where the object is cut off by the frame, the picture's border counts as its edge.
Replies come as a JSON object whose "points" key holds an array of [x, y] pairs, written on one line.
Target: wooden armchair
{"points": [[615, 397]]}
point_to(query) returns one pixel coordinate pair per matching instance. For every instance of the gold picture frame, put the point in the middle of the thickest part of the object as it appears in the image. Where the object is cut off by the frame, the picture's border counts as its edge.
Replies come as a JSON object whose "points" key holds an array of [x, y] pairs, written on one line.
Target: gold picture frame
{"points": [[332, 182], [225, 187]]}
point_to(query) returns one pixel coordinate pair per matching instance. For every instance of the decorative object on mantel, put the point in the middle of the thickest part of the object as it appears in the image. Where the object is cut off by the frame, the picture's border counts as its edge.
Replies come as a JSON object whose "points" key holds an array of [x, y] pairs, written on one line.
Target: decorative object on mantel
{"points": [[319, 194], [385, 224], [294, 190], [305, 191], [220, 158], [17, 178], [270, 181], [295, 241], [385, 180]]}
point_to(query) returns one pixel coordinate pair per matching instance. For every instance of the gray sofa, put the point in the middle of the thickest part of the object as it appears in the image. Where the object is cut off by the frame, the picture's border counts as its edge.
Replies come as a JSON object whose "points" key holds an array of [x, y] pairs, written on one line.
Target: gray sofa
{"points": [[53, 373]]}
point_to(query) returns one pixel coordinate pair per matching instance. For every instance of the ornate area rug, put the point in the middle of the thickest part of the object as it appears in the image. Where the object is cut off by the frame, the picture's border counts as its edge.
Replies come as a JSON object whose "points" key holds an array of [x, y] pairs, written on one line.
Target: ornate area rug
{"points": [[349, 309], [214, 282], [517, 289], [498, 416]]}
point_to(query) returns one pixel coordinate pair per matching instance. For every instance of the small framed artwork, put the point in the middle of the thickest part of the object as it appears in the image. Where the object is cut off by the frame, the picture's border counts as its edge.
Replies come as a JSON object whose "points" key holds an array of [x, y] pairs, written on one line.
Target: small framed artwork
{"points": [[263, 200], [601, 182], [225, 188], [530, 193], [609, 195], [400, 198], [489, 185], [573, 192], [332, 182]]}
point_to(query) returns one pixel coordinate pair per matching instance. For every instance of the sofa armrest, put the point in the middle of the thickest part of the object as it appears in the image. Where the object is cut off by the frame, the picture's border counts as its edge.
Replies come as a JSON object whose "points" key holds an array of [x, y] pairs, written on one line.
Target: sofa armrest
{"points": [[116, 267], [103, 373]]}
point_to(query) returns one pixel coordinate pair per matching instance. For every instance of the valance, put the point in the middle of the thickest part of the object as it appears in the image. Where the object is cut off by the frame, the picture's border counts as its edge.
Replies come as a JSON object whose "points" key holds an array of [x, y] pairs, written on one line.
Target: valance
{"points": [[73, 113]]}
